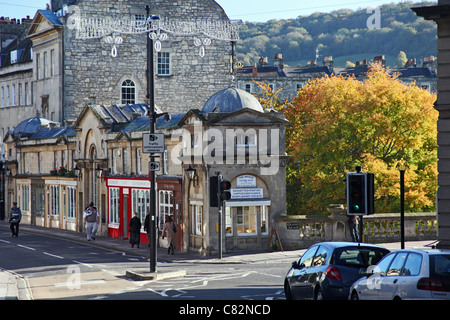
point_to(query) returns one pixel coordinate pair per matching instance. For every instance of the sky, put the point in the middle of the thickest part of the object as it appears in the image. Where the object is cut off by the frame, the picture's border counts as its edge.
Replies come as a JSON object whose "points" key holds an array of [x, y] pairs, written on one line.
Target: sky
{"points": [[246, 10]]}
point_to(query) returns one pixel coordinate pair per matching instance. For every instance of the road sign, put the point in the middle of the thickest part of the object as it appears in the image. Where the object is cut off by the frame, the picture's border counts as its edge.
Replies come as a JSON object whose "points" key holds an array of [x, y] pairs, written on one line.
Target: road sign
{"points": [[153, 143], [154, 166]]}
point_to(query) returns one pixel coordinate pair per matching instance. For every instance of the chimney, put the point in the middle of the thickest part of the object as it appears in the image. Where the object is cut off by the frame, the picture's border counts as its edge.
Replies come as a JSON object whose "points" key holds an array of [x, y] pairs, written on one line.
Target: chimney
{"points": [[263, 61], [380, 59], [278, 61], [430, 63], [328, 62], [411, 63], [255, 71]]}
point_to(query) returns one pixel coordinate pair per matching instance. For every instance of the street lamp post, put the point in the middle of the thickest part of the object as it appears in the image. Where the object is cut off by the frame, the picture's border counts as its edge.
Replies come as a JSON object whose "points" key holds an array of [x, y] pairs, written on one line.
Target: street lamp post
{"points": [[153, 117], [402, 166]]}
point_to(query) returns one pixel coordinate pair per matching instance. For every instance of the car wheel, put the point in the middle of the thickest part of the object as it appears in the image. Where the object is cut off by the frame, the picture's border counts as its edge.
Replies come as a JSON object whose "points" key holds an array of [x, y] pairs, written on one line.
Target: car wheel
{"points": [[355, 295], [318, 294], [287, 291]]}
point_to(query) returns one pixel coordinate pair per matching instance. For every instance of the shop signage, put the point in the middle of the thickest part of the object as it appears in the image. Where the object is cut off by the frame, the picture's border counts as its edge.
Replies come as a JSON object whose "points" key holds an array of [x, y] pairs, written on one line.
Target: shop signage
{"points": [[246, 181], [248, 193]]}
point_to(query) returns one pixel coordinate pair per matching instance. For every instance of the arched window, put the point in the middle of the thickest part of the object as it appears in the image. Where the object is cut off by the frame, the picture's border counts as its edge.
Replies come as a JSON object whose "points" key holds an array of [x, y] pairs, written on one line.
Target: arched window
{"points": [[128, 92]]}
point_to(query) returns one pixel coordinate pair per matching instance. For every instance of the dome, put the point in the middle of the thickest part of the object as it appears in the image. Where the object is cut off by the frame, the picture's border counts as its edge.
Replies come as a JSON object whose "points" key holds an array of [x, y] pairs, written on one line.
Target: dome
{"points": [[230, 100], [30, 126]]}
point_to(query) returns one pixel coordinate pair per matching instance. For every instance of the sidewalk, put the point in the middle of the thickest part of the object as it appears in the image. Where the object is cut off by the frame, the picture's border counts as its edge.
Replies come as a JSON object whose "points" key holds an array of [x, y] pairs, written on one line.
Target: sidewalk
{"points": [[8, 281]]}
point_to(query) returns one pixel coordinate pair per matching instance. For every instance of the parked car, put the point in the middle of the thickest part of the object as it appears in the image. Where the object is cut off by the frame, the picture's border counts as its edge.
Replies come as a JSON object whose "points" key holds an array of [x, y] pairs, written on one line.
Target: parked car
{"points": [[406, 274], [327, 269]]}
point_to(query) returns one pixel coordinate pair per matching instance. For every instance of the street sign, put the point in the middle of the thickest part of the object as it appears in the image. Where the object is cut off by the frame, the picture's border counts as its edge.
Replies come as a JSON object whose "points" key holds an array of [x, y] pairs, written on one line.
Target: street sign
{"points": [[153, 143], [154, 166]]}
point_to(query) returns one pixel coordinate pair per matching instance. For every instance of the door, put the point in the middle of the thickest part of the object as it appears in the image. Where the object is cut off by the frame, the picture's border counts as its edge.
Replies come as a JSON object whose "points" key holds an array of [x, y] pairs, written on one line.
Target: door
{"points": [[389, 283], [300, 285]]}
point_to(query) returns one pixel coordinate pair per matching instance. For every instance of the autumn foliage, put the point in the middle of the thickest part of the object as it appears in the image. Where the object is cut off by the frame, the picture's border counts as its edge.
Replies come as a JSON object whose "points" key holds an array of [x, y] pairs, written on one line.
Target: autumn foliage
{"points": [[338, 123]]}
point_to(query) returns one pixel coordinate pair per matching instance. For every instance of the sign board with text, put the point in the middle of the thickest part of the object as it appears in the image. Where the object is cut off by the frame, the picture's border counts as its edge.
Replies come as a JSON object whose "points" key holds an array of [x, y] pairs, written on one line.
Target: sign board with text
{"points": [[153, 143]]}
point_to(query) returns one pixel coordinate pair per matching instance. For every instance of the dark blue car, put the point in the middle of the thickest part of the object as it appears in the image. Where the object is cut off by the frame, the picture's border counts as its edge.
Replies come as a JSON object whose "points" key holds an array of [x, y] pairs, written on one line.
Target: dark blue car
{"points": [[327, 270]]}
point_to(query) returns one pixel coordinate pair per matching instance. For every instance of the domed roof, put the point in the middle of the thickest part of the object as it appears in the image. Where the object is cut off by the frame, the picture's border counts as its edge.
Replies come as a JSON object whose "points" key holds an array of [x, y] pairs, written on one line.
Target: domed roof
{"points": [[230, 100], [30, 126]]}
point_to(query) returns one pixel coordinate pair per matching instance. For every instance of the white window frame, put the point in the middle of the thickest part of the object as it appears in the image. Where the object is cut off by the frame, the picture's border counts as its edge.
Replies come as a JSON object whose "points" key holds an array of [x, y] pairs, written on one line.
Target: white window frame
{"points": [[114, 207], [141, 203], [71, 203], [164, 65], [54, 200], [166, 202], [128, 92]]}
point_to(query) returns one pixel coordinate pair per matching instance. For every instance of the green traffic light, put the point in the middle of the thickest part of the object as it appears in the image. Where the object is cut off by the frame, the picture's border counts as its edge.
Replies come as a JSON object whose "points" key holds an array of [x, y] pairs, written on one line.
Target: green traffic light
{"points": [[356, 207]]}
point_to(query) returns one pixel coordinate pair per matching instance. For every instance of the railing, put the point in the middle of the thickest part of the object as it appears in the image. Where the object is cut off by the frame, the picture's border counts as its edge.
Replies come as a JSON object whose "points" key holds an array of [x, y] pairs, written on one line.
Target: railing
{"points": [[302, 231]]}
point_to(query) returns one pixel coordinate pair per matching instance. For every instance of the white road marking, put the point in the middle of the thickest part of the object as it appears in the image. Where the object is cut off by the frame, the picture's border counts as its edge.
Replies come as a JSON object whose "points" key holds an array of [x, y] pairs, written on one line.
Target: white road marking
{"points": [[53, 255], [25, 247]]}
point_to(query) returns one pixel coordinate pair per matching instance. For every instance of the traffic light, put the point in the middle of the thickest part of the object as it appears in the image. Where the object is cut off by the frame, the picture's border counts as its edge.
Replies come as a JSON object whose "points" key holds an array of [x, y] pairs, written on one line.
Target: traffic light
{"points": [[218, 186], [360, 193], [213, 190], [224, 187]]}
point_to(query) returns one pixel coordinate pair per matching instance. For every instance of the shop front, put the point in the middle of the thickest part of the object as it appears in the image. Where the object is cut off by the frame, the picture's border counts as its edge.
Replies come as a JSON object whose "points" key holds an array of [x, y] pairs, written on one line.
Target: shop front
{"points": [[127, 196]]}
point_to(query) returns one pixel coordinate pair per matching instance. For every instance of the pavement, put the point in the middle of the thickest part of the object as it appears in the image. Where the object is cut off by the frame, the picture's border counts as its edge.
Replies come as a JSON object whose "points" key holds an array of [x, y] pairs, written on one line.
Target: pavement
{"points": [[10, 282]]}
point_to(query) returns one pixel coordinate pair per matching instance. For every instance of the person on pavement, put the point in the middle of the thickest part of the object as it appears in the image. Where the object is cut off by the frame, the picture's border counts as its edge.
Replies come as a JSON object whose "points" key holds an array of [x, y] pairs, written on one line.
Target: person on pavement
{"points": [[135, 230], [91, 219], [170, 229], [14, 219]]}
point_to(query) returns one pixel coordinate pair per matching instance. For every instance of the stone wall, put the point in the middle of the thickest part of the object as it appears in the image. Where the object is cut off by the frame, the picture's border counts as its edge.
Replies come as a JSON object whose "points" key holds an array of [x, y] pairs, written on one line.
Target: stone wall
{"points": [[93, 75]]}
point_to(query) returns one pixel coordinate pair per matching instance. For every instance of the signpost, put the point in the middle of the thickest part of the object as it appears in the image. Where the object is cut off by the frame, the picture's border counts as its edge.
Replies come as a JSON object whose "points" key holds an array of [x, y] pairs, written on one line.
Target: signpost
{"points": [[153, 143]]}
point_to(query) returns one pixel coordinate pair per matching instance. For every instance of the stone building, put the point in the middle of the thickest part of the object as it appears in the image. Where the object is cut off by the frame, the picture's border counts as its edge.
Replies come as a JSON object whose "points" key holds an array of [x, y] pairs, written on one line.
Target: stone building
{"points": [[65, 72], [441, 14], [56, 171], [291, 79]]}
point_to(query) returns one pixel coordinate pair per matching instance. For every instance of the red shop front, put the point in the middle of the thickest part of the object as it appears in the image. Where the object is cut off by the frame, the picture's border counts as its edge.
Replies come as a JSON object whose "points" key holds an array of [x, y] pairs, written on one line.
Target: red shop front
{"points": [[127, 196]]}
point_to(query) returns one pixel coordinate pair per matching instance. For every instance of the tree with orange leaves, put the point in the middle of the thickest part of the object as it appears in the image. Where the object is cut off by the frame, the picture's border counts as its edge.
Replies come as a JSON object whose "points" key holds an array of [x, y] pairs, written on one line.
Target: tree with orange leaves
{"points": [[338, 123]]}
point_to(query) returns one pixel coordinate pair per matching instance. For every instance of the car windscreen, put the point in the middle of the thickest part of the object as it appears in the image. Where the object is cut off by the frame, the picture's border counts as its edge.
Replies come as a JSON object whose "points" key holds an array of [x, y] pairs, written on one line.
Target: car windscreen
{"points": [[440, 268], [358, 256]]}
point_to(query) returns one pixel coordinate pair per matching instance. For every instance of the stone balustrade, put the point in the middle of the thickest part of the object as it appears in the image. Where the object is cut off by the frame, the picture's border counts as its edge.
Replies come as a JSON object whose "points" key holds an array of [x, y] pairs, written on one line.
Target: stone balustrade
{"points": [[302, 231]]}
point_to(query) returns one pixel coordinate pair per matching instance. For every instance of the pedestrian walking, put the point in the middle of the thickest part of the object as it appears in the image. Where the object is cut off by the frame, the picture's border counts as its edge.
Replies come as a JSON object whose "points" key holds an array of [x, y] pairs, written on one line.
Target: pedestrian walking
{"points": [[135, 230], [147, 227], [353, 226], [91, 219], [169, 229], [14, 219]]}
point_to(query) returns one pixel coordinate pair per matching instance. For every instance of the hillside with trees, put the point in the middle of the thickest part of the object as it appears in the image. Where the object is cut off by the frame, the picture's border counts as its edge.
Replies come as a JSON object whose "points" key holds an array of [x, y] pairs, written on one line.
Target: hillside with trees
{"points": [[343, 34]]}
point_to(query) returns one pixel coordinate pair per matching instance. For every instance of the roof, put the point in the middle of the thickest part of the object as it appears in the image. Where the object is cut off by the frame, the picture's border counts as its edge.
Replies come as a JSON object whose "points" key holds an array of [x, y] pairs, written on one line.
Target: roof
{"points": [[51, 17], [53, 132], [229, 100], [30, 126], [143, 123]]}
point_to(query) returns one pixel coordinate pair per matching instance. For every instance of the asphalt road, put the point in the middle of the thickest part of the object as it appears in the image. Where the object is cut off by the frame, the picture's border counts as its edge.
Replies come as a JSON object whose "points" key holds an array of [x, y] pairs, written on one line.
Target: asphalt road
{"points": [[54, 268]]}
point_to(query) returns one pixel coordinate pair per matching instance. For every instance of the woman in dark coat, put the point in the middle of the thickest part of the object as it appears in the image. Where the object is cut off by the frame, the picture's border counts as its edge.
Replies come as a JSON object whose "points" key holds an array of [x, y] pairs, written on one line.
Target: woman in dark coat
{"points": [[135, 231]]}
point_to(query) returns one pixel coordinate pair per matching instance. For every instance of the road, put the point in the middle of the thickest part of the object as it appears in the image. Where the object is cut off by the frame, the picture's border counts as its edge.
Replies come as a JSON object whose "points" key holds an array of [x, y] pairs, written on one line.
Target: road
{"points": [[53, 268]]}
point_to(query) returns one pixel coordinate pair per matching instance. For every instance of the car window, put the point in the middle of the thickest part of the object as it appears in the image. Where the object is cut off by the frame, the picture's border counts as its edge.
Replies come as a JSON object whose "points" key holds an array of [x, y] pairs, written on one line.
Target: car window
{"points": [[308, 256], [412, 265], [359, 257], [397, 265], [320, 257], [383, 265], [440, 265]]}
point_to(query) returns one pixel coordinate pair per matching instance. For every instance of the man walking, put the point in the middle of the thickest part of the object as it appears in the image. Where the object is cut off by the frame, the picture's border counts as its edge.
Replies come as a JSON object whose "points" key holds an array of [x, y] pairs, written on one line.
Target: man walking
{"points": [[14, 219], [91, 219]]}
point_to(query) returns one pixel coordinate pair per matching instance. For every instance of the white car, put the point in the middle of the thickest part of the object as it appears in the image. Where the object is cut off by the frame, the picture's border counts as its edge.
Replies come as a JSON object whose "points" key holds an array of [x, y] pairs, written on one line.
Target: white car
{"points": [[406, 274]]}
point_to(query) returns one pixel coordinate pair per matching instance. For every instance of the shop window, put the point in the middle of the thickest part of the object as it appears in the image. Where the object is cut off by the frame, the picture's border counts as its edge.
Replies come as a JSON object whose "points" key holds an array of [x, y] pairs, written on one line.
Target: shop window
{"points": [[141, 201], [71, 202], [165, 206], [246, 221], [197, 218], [54, 200], [114, 205], [25, 198]]}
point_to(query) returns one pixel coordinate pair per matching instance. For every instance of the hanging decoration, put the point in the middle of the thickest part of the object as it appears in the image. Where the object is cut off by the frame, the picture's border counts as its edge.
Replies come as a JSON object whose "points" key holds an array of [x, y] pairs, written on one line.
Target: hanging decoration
{"points": [[203, 31]]}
